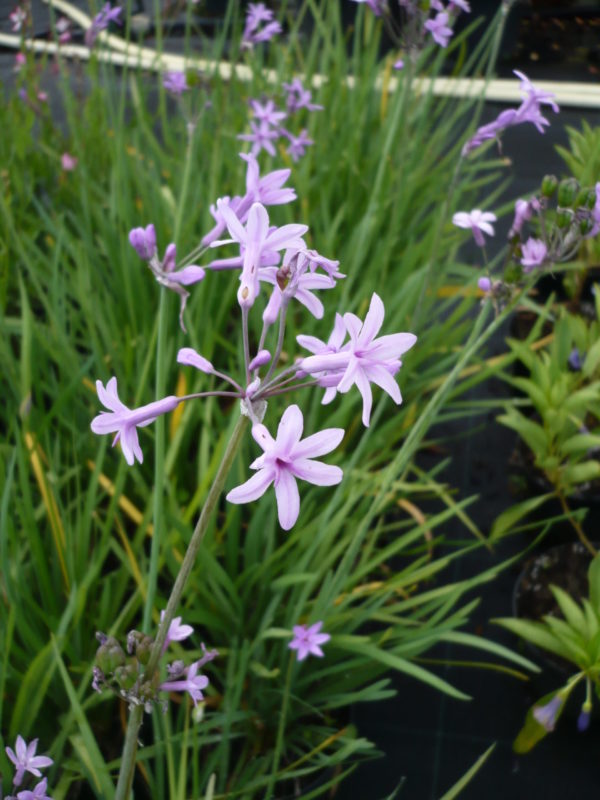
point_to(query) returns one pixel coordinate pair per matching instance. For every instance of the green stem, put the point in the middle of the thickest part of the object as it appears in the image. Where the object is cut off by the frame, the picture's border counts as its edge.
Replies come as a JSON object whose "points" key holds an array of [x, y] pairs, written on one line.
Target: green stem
{"points": [[159, 391], [135, 720], [280, 729]]}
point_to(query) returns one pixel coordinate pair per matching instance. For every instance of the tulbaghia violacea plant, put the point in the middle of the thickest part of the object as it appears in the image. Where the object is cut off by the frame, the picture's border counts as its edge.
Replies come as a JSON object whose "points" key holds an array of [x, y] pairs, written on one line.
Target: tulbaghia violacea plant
{"points": [[279, 260]]}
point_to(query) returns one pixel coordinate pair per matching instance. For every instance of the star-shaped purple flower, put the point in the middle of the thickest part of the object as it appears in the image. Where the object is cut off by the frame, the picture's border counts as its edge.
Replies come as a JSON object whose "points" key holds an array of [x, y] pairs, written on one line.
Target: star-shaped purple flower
{"points": [[285, 459], [124, 421], [37, 793], [192, 683], [307, 641], [177, 632], [534, 253], [365, 359], [439, 29], [25, 759], [478, 221]]}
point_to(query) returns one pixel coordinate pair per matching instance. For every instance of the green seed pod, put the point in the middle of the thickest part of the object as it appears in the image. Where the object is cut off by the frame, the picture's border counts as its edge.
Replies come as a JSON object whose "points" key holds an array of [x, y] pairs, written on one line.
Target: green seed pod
{"points": [[567, 192], [585, 226], [143, 649], [549, 184]]}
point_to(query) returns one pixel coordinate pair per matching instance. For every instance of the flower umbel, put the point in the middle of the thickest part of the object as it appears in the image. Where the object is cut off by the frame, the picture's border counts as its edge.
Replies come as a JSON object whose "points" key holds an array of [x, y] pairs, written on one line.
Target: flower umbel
{"points": [[307, 640], [285, 459]]}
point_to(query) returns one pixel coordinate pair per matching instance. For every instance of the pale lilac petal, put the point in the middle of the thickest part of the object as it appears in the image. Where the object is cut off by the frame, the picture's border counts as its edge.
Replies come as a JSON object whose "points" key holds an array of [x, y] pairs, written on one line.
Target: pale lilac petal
{"points": [[319, 444], [373, 321], [339, 332], [262, 437], [290, 429], [253, 488], [349, 376], [288, 499], [364, 387], [379, 375], [392, 346], [311, 302], [130, 445], [311, 343], [257, 226], [329, 395], [326, 361], [280, 237], [234, 226], [106, 423], [316, 472]]}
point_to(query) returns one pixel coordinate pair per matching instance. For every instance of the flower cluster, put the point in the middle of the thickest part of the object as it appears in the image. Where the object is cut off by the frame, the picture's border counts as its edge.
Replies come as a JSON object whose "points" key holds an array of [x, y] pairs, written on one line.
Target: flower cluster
{"points": [[266, 123], [123, 671], [25, 761], [101, 22], [529, 111], [260, 25], [279, 258]]}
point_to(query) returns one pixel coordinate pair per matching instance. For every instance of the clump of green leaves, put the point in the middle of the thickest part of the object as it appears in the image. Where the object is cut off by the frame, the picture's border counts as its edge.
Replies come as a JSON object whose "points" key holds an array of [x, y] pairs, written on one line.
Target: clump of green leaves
{"points": [[562, 391], [576, 639]]}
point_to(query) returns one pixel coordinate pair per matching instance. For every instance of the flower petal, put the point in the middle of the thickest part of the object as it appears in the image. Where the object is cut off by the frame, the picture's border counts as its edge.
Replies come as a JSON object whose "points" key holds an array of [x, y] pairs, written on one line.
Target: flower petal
{"points": [[316, 472], [288, 499], [319, 443], [253, 488], [289, 431], [391, 346], [364, 387], [187, 275], [379, 374], [373, 321]]}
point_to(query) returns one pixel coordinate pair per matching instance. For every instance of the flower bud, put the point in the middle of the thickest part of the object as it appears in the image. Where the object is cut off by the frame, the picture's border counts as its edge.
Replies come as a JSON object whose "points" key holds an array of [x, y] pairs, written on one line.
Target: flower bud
{"points": [[260, 359], [563, 217], [549, 184], [110, 655], [567, 192], [126, 676], [143, 650], [143, 240], [585, 226], [586, 199]]}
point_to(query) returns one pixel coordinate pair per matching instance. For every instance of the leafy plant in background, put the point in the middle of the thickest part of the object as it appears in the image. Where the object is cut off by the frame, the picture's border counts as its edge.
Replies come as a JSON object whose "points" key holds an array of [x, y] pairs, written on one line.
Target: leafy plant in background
{"points": [[576, 640], [560, 422]]}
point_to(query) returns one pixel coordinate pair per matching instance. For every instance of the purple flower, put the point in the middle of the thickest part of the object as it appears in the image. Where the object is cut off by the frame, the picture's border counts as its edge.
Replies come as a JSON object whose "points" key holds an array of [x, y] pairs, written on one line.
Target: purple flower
{"points": [[267, 113], [37, 793], [399, 64], [101, 21], [257, 238], [297, 144], [256, 15], [17, 18], [528, 111], [365, 359], [583, 721], [377, 6], [124, 421], [523, 212], [143, 241], [546, 715], [175, 82], [462, 5], [25, 759], [292, 280], [485, 285], [260, 359], [575, 360], [262, 137], [307, 640], [192, 683], [286, 458], [177, 632], [68, 162], [478, 221], [534, 252], [438, 28], [298, 97], [267, 190]]}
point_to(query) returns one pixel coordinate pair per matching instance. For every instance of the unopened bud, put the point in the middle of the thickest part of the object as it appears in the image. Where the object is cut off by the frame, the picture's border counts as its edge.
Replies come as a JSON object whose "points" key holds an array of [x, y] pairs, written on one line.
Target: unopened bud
{"points": [[549, 184], [587, 199], [585, 226], [567, 192], [563, 217], [126, 676], [110, 655]]}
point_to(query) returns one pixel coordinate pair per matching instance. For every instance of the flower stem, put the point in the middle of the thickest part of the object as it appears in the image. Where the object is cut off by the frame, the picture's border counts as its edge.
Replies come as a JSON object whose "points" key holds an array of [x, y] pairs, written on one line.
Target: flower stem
{"points": [[135, 719], [280, 729], [576, 526]]}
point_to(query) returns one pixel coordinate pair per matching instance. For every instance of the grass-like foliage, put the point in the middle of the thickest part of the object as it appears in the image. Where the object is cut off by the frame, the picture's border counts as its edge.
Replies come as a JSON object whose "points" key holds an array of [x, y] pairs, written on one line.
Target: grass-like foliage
{"points": [[378, 189]]}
